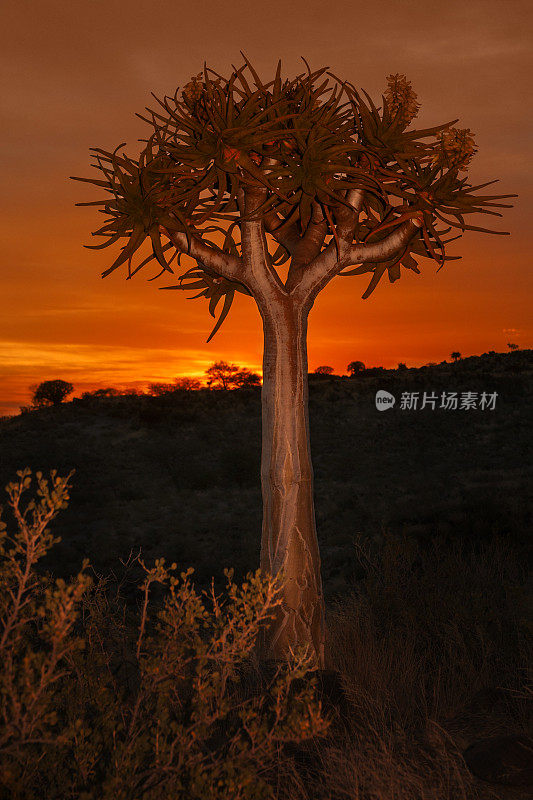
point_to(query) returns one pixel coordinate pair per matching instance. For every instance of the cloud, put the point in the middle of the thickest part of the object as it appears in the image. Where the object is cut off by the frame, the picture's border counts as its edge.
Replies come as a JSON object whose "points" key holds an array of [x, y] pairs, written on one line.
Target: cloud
{"points": [[80, 358]]}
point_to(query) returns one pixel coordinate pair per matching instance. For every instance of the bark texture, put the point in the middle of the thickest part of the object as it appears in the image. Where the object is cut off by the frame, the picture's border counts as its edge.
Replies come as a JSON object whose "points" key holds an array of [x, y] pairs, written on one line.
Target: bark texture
{"points": [[289, 540]]}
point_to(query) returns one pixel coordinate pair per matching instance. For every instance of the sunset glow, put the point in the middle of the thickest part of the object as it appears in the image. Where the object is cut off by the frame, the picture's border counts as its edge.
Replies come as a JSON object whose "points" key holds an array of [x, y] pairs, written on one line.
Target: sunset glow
{"points": [[65, 94]]}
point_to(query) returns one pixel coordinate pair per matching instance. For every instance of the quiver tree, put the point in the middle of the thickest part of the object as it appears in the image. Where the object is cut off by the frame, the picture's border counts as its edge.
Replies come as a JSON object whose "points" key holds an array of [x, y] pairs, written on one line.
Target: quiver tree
{"points": [[245, 177]]}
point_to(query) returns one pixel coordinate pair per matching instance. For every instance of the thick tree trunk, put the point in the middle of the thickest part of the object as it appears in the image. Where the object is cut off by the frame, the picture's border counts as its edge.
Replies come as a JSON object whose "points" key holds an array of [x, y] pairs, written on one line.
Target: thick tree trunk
{"points": [[289, 540]]}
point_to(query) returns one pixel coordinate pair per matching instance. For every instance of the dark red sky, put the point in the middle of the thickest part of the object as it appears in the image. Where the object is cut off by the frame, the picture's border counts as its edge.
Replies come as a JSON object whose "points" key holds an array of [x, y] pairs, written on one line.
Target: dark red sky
{"points": [[74, 76]]}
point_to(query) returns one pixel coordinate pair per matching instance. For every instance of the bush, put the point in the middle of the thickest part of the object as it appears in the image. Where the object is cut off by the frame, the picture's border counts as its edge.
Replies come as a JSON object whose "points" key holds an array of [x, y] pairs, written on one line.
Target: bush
{"points": [[178, 385], [159, 389], [187, 384], [94, 706], [101, 394]]}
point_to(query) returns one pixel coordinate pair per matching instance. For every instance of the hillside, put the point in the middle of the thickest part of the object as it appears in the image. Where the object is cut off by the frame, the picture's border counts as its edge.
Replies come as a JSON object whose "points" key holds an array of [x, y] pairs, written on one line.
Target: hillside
{"points": [[178, 475]]}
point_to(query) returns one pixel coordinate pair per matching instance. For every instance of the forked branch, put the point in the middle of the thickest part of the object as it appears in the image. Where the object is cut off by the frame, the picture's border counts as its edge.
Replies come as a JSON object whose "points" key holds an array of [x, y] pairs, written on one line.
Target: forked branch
{"points": [[327, 264]]}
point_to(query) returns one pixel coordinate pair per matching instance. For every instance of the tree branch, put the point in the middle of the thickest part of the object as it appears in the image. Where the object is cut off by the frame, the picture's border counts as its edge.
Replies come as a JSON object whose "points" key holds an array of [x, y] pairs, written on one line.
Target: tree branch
{"points": [[259, 273], [308, 246], [348, 220], [326, 265], [288, 237], [223, 264]]}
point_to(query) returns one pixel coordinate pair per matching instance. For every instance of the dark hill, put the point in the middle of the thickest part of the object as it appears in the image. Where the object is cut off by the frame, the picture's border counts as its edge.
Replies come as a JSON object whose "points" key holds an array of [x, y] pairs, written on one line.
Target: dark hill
{"points": [[178, 475]]}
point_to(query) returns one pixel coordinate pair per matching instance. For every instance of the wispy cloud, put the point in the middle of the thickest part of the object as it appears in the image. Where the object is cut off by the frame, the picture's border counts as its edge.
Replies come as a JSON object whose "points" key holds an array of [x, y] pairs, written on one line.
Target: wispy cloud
{"points": [[97, 358]]}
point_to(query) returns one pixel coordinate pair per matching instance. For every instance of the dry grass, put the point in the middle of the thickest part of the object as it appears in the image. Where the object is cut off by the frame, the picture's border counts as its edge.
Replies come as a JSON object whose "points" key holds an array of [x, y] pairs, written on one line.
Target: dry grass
{"points": [[431, 649], [426, 654]]}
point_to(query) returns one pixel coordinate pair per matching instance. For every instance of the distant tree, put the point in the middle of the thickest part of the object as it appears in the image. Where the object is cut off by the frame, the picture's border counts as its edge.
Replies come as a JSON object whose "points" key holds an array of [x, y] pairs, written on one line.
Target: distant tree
{"points": [[512, 346], [222, 375], [431, 364], [178, 384], [402, 366], [187, 384], [246, 378], [354, 367], [289, 170], [97, 394], [324, 371], [455, 355], [51, 393], [159, 389]]}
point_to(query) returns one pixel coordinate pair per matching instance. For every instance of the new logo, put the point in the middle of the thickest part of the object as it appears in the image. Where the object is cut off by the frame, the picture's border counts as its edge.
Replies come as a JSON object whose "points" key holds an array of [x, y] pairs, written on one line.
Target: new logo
{"points": [[384, 400]]}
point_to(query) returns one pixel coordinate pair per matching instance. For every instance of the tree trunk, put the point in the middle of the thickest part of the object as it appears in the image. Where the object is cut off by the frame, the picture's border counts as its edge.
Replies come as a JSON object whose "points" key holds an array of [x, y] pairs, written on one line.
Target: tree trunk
{"points": [[289, 538]]}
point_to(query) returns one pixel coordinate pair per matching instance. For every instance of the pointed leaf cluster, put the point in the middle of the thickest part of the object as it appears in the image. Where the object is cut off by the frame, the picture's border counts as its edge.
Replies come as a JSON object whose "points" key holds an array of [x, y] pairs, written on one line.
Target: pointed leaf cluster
{"points": [[214, 288], [299, 142]]}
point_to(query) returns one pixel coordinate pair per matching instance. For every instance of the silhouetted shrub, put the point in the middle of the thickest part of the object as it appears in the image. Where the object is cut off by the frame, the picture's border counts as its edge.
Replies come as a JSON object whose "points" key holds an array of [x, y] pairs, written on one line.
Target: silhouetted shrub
{"points": [[178, 385], [158, 389], [187, 384], [99, 394]]}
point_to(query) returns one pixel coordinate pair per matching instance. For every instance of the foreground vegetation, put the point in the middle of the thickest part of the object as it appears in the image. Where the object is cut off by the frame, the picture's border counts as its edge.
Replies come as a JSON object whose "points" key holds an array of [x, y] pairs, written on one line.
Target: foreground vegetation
{"points": [[426, 653], [93, 707]]}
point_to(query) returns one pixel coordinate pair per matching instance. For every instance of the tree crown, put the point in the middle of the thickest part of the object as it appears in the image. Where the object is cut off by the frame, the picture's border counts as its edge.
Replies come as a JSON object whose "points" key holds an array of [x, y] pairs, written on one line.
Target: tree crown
{"points": [[50, 393], [355, 366], [323, 171]]}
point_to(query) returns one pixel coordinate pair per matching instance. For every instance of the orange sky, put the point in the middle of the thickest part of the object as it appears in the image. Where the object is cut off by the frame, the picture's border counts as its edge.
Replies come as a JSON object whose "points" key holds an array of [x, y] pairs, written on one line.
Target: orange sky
{"points": [[74, 76]]}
